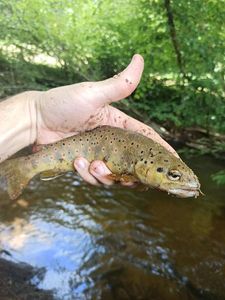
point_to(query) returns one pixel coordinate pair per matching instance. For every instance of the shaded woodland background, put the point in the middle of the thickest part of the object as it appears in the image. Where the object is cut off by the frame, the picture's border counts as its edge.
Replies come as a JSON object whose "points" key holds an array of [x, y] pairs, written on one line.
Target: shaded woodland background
{"points": [[47, 43]]}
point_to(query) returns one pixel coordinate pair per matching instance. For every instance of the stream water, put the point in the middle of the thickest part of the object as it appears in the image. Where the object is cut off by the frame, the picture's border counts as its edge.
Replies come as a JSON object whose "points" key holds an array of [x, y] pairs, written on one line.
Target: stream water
{"points": [[120, 243]]}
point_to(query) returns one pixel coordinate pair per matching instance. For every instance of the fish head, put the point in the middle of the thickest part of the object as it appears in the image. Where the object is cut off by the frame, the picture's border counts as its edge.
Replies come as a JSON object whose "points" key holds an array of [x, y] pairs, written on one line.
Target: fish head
{"points": [[169, 174]]}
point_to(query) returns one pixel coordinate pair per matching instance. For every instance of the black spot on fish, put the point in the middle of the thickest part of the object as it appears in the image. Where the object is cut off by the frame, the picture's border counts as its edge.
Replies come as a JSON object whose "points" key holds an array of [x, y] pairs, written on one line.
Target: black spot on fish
{"points": [[160, 169], [151, 162], [166, 160], [145, 161]]}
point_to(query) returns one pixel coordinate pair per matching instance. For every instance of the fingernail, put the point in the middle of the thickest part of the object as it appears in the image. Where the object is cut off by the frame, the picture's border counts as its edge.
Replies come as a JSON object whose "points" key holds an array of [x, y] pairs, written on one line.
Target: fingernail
{"points": [[99, 169], [80, 163], [134, 57], [137, 56]]}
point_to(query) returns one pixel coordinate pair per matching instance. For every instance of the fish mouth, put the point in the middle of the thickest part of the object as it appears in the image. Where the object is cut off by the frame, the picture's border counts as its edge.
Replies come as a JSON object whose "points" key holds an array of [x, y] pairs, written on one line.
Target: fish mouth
{"points": [[185, 193], [192, 189]]}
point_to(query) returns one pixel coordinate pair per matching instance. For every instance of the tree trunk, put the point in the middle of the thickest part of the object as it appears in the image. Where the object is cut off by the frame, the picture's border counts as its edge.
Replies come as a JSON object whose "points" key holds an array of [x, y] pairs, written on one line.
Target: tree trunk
{"points": [[173, 35]]}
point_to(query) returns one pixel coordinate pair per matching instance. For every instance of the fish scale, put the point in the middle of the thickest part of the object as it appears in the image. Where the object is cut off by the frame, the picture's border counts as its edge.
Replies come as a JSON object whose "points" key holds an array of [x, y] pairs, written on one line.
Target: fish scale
{"points": [[123, 151]]}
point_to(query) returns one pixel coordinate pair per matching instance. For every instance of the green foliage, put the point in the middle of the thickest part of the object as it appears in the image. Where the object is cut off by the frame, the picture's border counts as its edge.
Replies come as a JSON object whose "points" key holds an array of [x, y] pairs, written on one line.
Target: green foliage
{"points": [[219, 177], [192, 104], [91, 40]]}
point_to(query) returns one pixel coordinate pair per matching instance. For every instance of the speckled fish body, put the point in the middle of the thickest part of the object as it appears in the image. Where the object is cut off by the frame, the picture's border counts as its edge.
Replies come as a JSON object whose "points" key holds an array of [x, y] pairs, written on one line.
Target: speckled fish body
{"points": [[124, 152]]}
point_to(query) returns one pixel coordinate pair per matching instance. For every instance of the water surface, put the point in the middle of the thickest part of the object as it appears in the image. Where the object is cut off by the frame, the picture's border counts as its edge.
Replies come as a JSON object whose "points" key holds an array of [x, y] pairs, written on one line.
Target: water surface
{"points": [[120, 243]]}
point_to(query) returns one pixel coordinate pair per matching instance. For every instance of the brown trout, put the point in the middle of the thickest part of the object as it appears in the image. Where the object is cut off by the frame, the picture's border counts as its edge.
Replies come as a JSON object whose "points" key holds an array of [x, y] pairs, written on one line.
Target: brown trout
{"points": [[127, 154]]}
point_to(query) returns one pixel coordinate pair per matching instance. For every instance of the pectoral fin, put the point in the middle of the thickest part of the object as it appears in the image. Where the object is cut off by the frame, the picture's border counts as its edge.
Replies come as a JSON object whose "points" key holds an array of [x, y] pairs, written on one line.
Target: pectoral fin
{"points": [[122, 177], [114, 177], [142, 187], [50, 175]]}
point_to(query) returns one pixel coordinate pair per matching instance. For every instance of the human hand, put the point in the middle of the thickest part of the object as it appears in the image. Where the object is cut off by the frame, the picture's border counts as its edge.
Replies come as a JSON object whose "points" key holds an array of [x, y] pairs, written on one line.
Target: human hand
{"points": [[68, 110]]}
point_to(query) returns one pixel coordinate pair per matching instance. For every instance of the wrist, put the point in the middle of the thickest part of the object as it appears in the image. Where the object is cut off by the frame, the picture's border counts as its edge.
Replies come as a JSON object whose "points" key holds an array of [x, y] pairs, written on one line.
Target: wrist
{"points": [[18, 123], [32, 99]]}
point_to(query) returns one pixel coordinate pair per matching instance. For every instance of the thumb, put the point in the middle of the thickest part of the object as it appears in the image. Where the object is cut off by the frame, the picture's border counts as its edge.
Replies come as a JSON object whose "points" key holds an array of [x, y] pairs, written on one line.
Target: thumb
{"points": [[121, 85]]}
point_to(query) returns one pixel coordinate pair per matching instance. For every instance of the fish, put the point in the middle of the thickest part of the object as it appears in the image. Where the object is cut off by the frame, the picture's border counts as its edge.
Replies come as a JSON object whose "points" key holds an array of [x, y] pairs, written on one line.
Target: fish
{"points": [[128, 155]]}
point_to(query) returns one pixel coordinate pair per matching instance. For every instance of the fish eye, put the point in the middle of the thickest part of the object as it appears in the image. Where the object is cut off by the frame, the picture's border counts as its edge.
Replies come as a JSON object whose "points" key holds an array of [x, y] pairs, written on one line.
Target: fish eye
{"points": [[174, 175]]}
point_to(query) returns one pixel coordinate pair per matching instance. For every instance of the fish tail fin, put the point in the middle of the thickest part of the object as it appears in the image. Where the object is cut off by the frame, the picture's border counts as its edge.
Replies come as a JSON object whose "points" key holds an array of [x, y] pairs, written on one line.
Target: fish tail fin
{"points": [[14, 177]]}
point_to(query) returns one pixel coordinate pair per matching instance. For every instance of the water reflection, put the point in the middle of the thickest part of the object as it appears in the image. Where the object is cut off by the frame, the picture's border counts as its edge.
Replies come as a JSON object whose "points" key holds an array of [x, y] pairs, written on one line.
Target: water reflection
{"points": [[119, 243]]}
